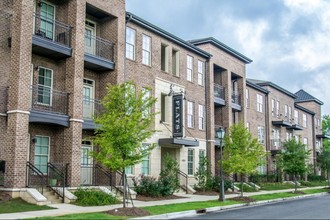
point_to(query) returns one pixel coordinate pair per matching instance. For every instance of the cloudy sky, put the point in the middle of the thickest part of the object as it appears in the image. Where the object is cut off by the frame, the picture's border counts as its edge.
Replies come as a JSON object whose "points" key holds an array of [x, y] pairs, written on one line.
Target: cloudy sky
{"points": [[288, 40]]}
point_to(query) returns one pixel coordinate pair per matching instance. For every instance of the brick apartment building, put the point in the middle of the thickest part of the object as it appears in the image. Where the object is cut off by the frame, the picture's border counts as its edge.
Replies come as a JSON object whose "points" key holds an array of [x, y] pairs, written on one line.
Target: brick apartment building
{"points": [[56, 58]]}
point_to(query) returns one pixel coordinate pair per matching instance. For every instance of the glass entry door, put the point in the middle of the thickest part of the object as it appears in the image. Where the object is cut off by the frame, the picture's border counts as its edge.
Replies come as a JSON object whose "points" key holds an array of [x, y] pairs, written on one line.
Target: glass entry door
{"points": [[88, 99], [86, 164]]}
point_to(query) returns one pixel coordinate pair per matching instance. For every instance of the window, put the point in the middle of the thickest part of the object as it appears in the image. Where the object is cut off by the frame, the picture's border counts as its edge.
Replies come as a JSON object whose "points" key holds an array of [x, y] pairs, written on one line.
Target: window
{"points": [[190, 114], [297, 138], [41, 153], [47, 17], [164, 58], [288, 136], [175, 63], [163, 107], [286, 111], [290, 113], [277, 109], [201, 117], [129, 170], [200, 73], [260, 103], [201, 157], [130, 43], [146, 95], [189, 68], [306, 144], [45, 83], [190, 161], [145, 165], [296, 116], [273, 107], [260, 134], [247, 96], [276, 138], [304, 120], [146, 50], [248, 126]]}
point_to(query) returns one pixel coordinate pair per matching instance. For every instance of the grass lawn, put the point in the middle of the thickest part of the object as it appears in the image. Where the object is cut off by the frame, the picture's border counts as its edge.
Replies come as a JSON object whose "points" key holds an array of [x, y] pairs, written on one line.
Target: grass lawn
{"points": [[161, 209], [314, 183], [276, 186], [19, 205], [94, 215]]}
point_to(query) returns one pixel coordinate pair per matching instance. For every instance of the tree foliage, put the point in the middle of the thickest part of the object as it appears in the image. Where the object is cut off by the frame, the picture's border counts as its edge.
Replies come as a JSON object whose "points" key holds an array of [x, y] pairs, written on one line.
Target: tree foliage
{"points": [[242, 154], [294, 158], [124, 124], [323, 159]]}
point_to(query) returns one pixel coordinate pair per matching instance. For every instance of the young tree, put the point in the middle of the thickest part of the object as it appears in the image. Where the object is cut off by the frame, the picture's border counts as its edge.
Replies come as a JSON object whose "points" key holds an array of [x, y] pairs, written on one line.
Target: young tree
{"points": [[124, 124], [323, 159], [242, 153], [294, 158]]}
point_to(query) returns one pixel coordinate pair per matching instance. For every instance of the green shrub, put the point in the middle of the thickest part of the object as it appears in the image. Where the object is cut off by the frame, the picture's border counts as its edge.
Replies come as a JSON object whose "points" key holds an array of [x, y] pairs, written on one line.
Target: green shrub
{"points": [[92, 197], [147, 186], [168, 178], [203, 175], [319, 178], [215, 184], [246, 188]]}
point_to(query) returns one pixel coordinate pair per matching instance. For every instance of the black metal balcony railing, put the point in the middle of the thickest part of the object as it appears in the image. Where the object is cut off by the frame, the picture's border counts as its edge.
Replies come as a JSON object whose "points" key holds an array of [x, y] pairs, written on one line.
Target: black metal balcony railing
{"points": [[275, 144], [99, 47], [49, 100], [219, 91], [52, 30], [236, 98], [91, 107], [4, 99]]}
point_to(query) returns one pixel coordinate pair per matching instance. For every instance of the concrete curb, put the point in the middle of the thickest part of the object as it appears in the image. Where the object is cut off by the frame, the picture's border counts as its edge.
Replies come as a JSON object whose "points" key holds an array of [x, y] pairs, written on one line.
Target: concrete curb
{"points": [[219, 208]]}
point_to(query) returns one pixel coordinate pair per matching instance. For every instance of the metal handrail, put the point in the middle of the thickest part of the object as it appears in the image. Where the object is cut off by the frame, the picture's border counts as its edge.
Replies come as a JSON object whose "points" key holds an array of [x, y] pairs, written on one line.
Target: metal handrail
{"points": [[63, 177], [185, 176], [100, 47], [37, 172], [219, 91], [235, 98]]}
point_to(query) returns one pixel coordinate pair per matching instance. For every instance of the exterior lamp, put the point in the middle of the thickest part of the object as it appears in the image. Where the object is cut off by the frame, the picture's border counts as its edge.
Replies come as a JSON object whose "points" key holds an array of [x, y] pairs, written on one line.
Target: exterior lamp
{"points": [[221, 134]]}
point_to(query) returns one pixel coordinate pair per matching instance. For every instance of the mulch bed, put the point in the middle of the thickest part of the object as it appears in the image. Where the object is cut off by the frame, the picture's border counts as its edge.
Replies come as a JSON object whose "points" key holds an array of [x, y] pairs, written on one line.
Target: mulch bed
{"points": [[4, 197], [243, 199], [128, 211], [148, 198]]}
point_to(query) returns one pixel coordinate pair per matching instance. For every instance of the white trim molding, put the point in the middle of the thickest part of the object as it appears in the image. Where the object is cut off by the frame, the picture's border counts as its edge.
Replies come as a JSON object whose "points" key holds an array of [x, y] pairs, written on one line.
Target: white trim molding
{"points": [[3, 114], [76, 120], [18, 111]]}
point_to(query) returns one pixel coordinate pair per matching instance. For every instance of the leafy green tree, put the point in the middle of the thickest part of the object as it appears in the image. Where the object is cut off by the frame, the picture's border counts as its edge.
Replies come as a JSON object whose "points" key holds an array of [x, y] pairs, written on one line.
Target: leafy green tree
{"points": [[242, 154], [294, 159], [124, 124], [168, 177], [323, 160], [203, 174]]}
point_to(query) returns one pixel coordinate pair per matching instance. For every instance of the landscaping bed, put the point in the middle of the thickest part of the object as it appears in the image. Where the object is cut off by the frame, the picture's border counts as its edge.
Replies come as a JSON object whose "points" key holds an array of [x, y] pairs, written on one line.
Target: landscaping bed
{"points": [[128, 211], [158, 198]]}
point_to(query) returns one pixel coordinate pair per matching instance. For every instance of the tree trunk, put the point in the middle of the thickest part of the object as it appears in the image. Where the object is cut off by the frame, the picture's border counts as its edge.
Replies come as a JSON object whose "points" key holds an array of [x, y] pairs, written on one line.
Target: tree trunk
{"points": [[124, 189], [328, 178], [295, 183], [241, 185]]}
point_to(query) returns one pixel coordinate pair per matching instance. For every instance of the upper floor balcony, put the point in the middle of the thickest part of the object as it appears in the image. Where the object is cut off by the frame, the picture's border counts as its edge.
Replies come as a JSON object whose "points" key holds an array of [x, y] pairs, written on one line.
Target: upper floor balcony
{"points": [[3, 100], [236, 101], [91, 108], [99, 53], [51, 38], [219, 95], [282, 121], [49, 106], [275, 145]]}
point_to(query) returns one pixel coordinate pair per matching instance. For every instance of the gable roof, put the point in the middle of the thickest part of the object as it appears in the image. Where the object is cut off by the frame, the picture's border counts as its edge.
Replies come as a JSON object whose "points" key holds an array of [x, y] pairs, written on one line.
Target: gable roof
{"points": [[222, 46], [303, 96], [130, 17], [268, 83], [255, 86]]}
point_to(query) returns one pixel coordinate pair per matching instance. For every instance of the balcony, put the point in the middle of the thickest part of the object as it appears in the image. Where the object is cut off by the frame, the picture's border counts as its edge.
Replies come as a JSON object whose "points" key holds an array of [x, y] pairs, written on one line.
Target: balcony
{"points": [[91, 107], [49, 106], [51, 38], [219, 95], [236, 101], [323, 135], [3, 100], [275, 146], [99, 54], [282, 122]]}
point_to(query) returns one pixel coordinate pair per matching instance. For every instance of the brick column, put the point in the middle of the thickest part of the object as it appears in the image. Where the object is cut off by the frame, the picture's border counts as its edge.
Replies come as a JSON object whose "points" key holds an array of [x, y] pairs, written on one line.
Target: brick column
{"points": [[241, 88], [74, 85], [227, 110], [18, 94]]}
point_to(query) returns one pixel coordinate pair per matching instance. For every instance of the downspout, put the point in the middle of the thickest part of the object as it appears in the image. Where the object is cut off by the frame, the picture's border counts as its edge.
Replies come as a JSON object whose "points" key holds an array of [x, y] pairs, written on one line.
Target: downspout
{"points": [[128, 18]]}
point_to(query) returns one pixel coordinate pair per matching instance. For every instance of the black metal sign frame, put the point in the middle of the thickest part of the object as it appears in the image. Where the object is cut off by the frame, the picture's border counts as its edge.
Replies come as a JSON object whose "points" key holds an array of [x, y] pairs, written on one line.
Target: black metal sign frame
{"points": [[177, 110]]}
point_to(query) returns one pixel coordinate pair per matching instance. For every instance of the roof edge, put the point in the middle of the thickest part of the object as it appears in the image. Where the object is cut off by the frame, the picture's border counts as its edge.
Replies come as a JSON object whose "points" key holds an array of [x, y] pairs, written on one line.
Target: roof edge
{"points": [[255, 86], [304, 109]]}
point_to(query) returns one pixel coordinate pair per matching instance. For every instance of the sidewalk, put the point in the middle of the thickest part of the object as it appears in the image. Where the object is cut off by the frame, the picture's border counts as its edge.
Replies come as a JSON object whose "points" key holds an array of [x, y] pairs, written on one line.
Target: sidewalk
{"points": [[64, 209]]}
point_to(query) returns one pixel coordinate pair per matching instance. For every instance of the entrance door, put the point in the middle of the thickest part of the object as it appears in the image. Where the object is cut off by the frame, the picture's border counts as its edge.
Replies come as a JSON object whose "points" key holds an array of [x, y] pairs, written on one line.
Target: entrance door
{"points": [[86, 163], [90, 40], [88, 99]]}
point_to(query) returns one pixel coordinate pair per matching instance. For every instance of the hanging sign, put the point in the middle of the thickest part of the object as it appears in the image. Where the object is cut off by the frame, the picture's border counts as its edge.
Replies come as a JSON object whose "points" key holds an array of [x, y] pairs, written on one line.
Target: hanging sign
{"points": [[177, 115]]}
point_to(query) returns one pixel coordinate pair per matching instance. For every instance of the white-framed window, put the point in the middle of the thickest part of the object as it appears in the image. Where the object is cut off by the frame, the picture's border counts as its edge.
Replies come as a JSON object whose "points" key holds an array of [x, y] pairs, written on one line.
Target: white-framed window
{"points": [[306, 143], [290, 113], [318, 145], [286, 111], [273, 107], [201, 156], [45, 85], [288, 136], [129, 170], [304, 120], [130, 43], [145, 162], [200, 73], [296, 117], [247, 97], [260, 103], [201, 117], [189, 68], [146, 50], [248, 126], [47, 20], [190, 114], [261, 134], [277, 109], [297, 138], [41, 153], [191, 161], [146, 95]]}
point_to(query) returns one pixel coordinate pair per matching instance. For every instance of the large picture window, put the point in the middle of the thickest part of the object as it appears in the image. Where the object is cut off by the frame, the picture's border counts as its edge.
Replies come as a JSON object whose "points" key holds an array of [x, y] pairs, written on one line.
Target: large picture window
{"points": [[41, 153]]}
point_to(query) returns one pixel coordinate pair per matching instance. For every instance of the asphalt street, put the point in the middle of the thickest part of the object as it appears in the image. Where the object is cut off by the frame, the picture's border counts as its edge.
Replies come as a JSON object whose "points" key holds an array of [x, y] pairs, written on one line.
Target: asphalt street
{"points": [[308, 208]]}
